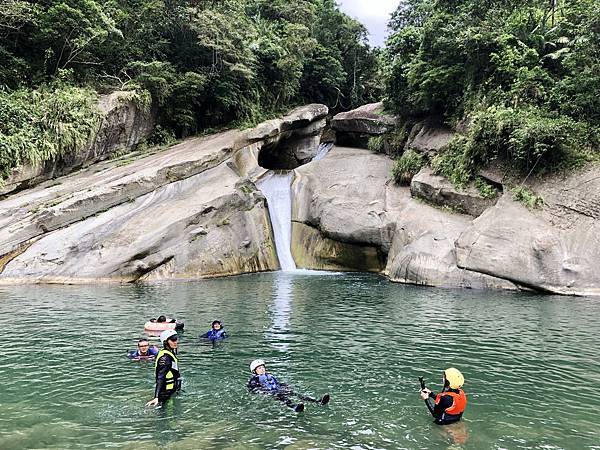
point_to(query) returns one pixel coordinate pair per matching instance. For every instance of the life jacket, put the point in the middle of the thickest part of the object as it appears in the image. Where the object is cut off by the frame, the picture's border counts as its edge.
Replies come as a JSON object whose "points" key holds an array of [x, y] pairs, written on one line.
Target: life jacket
{"points": [[215, 334], [152, 352], [173, 377], [268, 382], [459, 402]]}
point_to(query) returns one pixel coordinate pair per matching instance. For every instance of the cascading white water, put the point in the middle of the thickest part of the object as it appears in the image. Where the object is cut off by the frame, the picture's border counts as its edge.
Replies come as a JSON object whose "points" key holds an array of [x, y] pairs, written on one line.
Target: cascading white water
{"points": [[323, 150], [277, 189]]}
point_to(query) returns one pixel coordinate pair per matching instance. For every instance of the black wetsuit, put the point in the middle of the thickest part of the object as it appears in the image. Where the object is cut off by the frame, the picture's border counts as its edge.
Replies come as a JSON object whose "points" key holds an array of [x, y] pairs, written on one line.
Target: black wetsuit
{"points": [[280, 391], [164, 387], [439, 411]]}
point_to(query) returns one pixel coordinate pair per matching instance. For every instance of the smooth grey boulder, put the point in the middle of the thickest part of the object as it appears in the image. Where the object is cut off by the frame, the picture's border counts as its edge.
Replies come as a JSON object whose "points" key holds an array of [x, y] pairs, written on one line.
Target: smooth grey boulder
{"points": [[437, 190], [292, 140], [203, 226], [30, 214], [344, 196], [423, 251], [511, 242], [429, 136], [300, 120], [369, 119], [122, 125], [188, 212]]}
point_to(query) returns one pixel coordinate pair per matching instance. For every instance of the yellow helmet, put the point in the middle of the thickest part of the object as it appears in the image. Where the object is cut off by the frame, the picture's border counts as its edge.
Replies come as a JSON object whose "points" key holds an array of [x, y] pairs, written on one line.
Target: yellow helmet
{"points": [[454, 377]]}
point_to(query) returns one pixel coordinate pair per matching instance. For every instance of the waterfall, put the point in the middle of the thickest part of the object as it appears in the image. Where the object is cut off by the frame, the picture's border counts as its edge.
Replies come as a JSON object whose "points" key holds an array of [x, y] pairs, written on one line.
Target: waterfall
{"points": [[323, 150], [277, 189]]}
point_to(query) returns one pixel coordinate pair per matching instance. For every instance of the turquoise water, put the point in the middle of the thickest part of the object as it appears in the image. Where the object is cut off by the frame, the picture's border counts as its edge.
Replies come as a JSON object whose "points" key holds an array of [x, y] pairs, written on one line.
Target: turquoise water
{"points": [[531, 364]]}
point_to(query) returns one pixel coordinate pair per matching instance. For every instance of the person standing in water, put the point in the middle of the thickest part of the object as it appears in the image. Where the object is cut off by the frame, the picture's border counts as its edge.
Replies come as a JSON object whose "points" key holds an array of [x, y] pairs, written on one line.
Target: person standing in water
{"points": [[264, 382], [448, 406], [168, 377]]}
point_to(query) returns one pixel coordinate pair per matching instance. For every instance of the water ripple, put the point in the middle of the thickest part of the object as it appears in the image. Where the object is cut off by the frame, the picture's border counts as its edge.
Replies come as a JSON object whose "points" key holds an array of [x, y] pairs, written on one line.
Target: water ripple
{"points": [[526, 358]]}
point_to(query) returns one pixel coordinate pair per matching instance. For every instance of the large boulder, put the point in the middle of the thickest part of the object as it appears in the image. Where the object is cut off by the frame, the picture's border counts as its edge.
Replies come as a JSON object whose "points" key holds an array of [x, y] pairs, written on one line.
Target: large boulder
{"points": [[123, 124], [190, 211], [429, 136], [203, 226], [344, 197], [292, 140], [437, 190], [354, 128], [423, 250], [511, 242], [369, 119]]}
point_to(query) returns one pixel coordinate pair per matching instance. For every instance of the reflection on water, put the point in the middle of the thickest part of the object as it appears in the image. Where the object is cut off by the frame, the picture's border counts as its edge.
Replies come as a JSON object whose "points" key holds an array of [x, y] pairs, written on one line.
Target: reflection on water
{"points": [[280, 311], [67, 382]]}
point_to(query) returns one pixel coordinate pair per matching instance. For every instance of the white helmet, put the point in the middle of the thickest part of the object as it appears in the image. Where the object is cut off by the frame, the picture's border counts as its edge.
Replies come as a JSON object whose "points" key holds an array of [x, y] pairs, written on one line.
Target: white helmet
{"points": [[166, 335], [256, 363]]}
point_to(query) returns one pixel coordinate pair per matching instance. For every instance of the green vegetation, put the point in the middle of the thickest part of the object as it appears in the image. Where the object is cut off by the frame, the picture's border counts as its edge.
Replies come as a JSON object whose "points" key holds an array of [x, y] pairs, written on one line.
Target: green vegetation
{"points": [[407, 166], [485, 189], [39, 125], [523, 74], [527, 197], [204, 64], [391, 143]]}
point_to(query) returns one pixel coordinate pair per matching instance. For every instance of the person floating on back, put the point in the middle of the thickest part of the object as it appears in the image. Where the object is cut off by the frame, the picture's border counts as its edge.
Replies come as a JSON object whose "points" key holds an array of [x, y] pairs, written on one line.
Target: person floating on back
{"points": [[168, 377], [216, 332], [263, 382], [144, 351], [448, 406]]}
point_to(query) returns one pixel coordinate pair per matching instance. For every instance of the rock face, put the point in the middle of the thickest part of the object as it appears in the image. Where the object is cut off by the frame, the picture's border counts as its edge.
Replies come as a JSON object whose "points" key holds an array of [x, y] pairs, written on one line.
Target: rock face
{"points": [[439, 191], [353, 128], [292, 140], [423, 251], [511, 242], [344, 196], [193, 211], [347, 215], [122, 126], [430, 137], [188, 212]]}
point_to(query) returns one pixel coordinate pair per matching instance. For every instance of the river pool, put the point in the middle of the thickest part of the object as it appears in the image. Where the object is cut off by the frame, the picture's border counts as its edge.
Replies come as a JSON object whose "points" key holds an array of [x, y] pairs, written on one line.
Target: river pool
{"points": [[531, 365]]}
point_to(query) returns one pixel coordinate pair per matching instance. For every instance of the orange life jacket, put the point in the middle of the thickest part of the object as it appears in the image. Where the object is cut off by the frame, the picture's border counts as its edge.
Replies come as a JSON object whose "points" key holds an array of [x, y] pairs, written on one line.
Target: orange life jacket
{"points": [[459, 401]]}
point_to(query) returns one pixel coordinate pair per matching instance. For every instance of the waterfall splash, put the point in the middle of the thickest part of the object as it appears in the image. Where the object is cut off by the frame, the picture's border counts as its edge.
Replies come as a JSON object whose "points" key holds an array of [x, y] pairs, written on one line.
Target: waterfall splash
{"points": [[277, 189], [323, 150]]}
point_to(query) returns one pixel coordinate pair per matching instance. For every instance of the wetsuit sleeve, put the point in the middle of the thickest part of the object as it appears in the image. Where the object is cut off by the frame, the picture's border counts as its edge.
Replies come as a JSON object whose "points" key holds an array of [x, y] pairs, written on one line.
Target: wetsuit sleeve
{"points": [[437, 410], [253, 384], [162, 368], [205, 335]]}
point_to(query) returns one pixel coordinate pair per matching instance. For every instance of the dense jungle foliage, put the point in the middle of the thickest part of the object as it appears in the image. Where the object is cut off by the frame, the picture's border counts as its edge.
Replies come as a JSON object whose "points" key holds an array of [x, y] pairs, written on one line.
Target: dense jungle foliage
{"points": [[206, 64], [521, 77]]}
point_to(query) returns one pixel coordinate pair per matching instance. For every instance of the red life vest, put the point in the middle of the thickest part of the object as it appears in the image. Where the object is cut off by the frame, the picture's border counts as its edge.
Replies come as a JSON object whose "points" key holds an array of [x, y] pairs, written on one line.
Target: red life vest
{"points": [[459, 401]]}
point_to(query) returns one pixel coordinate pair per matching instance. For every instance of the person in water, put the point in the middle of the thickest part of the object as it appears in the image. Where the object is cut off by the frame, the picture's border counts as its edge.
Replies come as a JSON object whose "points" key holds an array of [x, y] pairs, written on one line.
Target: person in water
{"points": [[263, 382], [162, 319], [144, 351], [168, 377], [448, 406], [216, 332]]}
